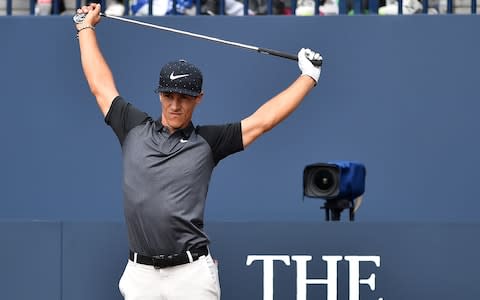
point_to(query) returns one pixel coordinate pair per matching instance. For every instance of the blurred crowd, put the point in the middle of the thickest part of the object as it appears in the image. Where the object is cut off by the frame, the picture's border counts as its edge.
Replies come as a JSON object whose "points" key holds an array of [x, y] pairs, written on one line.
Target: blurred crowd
{"points": [[255, 7]]}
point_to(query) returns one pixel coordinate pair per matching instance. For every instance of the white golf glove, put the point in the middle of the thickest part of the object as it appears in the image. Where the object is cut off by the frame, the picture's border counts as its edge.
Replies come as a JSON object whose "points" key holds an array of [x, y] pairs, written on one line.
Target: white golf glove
{"points": [[306, 66]]}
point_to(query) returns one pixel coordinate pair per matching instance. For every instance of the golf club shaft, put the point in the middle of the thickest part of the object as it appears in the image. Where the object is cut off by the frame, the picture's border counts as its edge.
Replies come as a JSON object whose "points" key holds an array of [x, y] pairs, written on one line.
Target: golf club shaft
{"points": [[79, 18]]}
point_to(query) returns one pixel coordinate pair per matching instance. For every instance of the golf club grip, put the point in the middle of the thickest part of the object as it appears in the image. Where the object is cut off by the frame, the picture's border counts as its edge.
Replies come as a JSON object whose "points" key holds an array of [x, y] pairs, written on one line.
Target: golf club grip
{"points": [[317, 63]]}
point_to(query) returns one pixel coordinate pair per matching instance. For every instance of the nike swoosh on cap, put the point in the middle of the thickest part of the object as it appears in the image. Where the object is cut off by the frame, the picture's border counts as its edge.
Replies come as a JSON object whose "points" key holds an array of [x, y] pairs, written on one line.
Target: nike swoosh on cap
{"points": [[173, 76]]}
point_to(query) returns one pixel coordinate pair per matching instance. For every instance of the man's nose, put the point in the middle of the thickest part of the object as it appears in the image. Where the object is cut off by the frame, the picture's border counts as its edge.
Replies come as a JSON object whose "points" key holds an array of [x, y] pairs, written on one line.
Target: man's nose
{"points": [[175, 103]]}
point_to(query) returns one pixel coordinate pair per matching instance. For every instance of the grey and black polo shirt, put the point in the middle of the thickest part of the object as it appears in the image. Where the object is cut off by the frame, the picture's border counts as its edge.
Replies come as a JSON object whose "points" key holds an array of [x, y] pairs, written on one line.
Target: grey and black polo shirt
{"points": [[166, 177]]}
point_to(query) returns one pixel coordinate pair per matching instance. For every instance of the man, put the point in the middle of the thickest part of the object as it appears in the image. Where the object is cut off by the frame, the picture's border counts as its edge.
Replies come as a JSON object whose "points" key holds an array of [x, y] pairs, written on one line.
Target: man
{"points": [[167, 166]]}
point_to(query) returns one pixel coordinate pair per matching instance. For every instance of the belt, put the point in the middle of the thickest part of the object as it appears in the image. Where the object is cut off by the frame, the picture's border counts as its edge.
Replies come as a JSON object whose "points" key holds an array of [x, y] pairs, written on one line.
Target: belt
{"points": [[165, 261]]}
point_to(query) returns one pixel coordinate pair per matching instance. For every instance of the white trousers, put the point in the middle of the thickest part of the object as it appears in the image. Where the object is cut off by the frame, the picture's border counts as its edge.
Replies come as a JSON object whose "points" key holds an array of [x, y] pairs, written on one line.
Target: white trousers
{"points": [[197, 280]]}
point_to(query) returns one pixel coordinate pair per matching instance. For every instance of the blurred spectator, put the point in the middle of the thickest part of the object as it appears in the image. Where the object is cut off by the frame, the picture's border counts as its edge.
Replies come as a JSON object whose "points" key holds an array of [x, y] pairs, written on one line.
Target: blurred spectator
{"points": [[409, 7], [260, 7], [141, 7], [364, 6], [46, 7], [163, 7], [305, 8], [329, 8], [326, 8], [232, 8], [115, 8]]}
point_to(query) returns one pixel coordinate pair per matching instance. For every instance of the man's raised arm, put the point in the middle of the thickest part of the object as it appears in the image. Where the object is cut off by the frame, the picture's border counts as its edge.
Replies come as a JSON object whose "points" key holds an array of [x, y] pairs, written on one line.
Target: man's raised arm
{"points": [[282, 105], [97, 72]]}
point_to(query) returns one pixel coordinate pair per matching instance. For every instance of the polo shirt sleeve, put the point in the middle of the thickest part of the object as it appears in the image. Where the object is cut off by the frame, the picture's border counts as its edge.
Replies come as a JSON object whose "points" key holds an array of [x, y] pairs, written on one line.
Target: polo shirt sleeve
{"points": [[123, 116], [224, 140]]}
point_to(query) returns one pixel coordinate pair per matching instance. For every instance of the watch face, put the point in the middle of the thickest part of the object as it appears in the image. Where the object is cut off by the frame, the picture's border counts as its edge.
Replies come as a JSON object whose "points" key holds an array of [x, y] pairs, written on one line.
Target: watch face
{"points": [[78, 18]]}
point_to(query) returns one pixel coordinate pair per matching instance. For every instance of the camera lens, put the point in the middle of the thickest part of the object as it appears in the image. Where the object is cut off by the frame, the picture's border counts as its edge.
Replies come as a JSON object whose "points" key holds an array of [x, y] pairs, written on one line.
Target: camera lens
{"points": [[321, 181], [324, 180]]}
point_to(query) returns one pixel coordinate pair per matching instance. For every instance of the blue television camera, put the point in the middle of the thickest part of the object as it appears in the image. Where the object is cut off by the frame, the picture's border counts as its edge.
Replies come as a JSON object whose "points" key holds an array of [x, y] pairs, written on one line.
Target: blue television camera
{"points": [[340, 183]]}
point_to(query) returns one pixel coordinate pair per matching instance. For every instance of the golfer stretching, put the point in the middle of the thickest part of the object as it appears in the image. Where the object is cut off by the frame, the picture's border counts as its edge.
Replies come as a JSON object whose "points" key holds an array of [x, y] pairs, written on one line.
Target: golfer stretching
{"points": [[167, 165]]}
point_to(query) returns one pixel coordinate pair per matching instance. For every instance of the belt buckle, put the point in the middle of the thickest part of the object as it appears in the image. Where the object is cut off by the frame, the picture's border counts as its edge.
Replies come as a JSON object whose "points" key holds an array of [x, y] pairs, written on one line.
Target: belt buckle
{"points": [[159, 261]]}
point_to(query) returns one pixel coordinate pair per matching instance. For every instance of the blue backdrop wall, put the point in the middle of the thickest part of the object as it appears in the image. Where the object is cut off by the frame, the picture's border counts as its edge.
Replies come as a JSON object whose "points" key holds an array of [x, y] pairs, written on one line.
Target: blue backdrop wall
{"points": [[398, 94]]}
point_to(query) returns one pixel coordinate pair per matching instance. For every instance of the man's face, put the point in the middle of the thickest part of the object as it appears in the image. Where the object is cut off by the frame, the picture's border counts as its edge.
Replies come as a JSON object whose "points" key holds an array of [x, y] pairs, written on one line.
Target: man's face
{"points": [[177, 109]]}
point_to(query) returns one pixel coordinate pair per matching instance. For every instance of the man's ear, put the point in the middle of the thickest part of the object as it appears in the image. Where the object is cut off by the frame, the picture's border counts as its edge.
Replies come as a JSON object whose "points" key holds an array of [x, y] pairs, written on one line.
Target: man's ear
{"points": [[199, 98]]}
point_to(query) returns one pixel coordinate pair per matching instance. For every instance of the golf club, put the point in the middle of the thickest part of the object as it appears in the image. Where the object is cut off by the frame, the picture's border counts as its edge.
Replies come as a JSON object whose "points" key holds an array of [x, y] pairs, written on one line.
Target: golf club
{"points": [[78, 18]]}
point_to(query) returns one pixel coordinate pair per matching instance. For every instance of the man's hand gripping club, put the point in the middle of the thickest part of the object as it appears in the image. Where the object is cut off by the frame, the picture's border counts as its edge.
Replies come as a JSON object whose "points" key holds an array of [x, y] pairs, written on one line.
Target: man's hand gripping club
{"points": [[92, 16], [306, 66]]}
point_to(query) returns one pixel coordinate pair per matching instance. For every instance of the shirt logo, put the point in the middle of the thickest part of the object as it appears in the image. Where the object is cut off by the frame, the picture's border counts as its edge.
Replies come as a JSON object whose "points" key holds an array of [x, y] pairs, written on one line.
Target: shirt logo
{"points": [[183, 141], [173, 76]]}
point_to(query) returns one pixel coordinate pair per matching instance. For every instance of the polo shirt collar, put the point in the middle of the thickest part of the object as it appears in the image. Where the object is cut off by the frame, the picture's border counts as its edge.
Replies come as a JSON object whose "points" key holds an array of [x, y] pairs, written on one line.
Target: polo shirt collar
{"points": [[185, 132]]}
